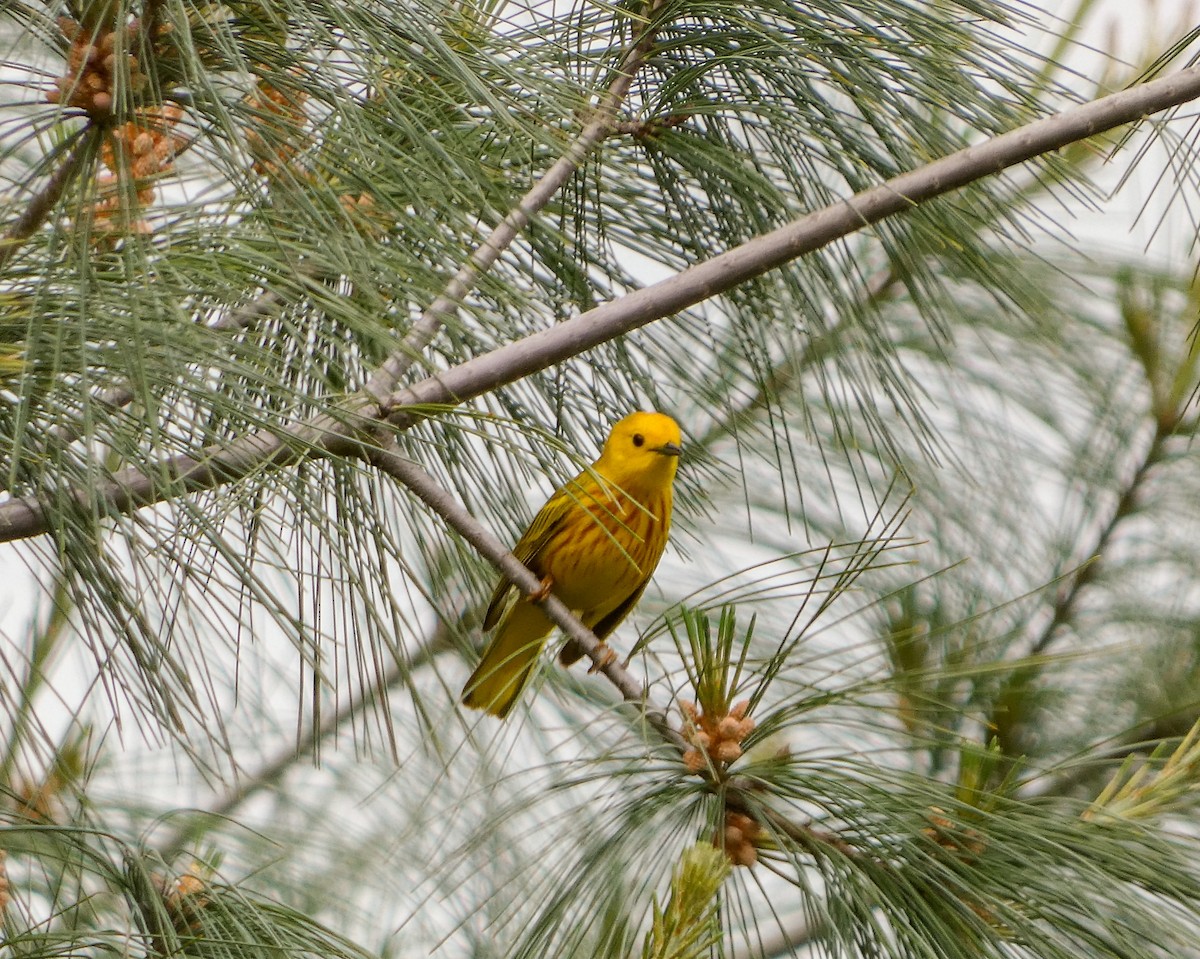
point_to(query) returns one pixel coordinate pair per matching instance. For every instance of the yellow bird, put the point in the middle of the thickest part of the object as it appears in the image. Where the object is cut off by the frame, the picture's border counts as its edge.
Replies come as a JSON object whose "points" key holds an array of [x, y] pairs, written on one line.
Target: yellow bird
{"points": [[594, 544]]}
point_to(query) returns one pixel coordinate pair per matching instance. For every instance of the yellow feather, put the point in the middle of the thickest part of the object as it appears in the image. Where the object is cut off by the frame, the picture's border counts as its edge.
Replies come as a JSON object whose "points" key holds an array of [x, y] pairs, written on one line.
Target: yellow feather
{"points": [[510, 658], [598, 539]]}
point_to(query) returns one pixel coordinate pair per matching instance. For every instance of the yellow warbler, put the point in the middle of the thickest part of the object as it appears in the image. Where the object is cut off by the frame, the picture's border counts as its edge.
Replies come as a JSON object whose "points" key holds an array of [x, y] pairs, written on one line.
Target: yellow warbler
{"points": [[594, 544]]}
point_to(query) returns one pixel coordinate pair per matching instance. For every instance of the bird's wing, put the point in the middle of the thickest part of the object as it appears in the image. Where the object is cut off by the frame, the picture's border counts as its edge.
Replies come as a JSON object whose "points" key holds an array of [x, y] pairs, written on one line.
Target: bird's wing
{"points": [[549, 520], [613, 619]]}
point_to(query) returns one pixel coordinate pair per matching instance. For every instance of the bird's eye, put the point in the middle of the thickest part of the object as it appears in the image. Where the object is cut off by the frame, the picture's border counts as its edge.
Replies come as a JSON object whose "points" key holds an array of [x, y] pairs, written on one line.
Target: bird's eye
{"points": [[639, 439]]}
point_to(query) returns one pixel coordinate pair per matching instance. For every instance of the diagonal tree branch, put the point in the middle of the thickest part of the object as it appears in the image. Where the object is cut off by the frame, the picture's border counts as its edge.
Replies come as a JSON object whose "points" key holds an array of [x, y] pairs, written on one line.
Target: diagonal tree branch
{"points": [[1067, 600], [132, 488], [269, 775], [793, 240]]}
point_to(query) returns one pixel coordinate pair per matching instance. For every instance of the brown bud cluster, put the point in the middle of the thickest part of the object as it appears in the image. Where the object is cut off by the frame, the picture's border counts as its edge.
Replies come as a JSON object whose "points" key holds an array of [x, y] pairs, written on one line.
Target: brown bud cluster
{"points": [[740, 838], [5, 889], [42, 802], [92, 66], [366, 215], [715, 739], [951, 835], [146, 145], [136, 151], [281, 120], [184, 899]]}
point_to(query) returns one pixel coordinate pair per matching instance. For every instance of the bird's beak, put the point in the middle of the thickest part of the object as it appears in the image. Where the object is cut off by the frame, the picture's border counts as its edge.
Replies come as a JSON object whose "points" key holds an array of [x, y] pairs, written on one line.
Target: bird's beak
{"points": [[669, 449]]}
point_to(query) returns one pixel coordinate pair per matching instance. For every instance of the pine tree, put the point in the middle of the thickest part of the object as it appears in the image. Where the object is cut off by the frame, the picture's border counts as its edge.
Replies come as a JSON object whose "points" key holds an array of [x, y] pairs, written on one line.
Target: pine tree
{"points": [[305, 307]]}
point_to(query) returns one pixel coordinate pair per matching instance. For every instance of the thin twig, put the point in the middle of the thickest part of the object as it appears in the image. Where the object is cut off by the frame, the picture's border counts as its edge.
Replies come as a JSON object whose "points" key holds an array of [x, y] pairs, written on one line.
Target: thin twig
{"points": [[43, 202], [273, 771], [132, 488], [594, 132], [1024, 674], [1064, 605]]}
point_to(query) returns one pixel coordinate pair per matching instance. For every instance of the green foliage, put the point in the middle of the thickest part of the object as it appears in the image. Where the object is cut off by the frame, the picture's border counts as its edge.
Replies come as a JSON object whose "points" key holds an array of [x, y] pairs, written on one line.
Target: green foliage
{"points": [[686, 927], [96, 896], [959, 724]]}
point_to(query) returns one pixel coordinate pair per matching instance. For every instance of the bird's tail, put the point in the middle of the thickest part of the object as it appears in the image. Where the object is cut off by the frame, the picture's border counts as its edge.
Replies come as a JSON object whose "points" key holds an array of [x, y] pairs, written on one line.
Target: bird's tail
{"points": [[508, 660]]}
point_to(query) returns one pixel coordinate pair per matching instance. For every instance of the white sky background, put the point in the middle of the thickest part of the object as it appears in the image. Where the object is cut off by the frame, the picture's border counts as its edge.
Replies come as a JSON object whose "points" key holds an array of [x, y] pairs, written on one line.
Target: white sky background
{"points": [[1132, 219], [1123, 223]]}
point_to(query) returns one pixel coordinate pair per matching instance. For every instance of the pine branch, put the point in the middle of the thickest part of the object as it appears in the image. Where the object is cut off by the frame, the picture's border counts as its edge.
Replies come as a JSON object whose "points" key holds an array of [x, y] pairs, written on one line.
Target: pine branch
{"points": [[1168, 406], [1064, 605], [133, 488], [791, 241], [43, 201], [481, 260]]}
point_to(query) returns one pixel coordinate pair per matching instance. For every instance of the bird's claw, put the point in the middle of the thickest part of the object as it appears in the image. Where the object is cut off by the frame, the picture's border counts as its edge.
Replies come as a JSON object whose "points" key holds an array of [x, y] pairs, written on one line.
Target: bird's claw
{"points": [[543, 591], [607, 658]]}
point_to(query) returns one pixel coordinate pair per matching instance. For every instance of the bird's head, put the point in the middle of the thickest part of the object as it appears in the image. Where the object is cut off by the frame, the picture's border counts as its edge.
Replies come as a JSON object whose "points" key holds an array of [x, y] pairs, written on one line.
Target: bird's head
{"points": [[642, 446]]}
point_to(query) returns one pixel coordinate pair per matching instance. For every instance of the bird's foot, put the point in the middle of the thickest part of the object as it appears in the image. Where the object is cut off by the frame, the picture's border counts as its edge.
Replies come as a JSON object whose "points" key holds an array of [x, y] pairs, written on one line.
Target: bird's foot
{"points": [[543, 591], [607, 658]]}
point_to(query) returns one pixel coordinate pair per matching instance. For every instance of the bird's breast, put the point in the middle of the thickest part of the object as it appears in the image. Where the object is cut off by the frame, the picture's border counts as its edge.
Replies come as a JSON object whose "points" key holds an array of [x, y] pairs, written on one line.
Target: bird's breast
{"points": [[607, 548]]}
